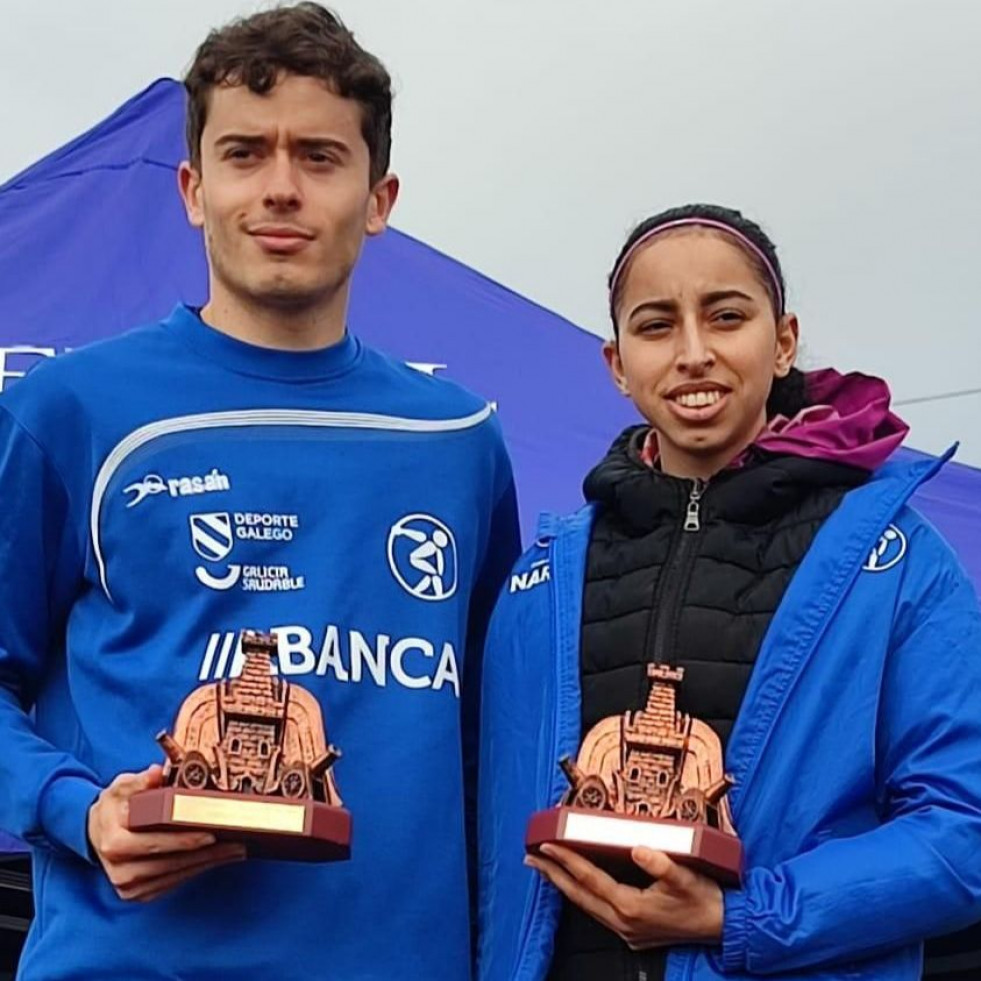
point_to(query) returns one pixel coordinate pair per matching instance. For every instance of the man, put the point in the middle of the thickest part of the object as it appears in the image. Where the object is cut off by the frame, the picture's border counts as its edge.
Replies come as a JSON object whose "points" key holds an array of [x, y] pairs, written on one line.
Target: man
{"points": [[251, 464]]}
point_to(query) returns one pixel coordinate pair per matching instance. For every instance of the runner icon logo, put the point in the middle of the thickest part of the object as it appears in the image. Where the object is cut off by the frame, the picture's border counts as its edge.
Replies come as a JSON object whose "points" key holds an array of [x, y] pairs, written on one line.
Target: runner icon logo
{"points": [[422, 557]]}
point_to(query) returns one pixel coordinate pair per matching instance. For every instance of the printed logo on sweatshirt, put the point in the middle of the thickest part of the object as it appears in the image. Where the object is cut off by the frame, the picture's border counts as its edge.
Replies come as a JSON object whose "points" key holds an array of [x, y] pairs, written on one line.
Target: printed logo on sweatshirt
{"points": [[888, 553], [422, 557], [215, 534], [345, 655], [539, 572], [153, 484], [211, 537]]}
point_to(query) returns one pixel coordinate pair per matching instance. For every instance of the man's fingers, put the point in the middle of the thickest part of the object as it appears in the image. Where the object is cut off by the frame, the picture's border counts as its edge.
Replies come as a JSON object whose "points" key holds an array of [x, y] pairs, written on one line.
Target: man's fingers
{"points": [[133, 880], [153, 776], [164, 884], [127, 784], [122, 845], [144, 870], [150, 843]]}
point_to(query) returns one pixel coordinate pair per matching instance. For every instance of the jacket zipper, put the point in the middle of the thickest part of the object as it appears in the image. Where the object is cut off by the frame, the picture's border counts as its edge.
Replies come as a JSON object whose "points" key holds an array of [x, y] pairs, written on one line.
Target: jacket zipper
{"points": [[676, 571], [668, 609], [537, 887]]}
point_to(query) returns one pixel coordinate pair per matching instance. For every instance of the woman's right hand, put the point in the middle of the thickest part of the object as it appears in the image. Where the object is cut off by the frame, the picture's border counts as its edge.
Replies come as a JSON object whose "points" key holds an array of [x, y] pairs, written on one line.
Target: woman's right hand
{"points": [[680, 906]]}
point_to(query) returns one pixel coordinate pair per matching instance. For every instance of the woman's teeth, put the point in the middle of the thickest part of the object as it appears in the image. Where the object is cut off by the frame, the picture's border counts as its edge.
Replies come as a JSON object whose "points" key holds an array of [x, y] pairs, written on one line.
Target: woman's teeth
{"points": [[695, 400]]}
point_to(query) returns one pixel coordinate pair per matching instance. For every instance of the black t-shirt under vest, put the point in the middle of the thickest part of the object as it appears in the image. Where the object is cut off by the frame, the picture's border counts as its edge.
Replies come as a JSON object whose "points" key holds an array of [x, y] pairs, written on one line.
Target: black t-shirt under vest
{"points": [[689, 575]]}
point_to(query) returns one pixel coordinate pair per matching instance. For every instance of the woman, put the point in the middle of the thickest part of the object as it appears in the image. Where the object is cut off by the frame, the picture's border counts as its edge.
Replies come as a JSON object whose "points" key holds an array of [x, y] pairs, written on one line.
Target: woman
{"points": [[754, 533]]}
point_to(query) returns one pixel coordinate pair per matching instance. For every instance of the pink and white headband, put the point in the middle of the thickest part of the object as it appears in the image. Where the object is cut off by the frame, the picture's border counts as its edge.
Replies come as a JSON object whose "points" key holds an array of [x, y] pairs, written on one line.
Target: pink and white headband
{"points": [[703, 223]]}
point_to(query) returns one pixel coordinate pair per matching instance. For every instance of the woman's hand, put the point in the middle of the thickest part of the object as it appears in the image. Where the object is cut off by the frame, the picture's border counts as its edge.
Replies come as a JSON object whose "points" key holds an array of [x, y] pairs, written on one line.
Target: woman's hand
{"points": [[680, 906]]}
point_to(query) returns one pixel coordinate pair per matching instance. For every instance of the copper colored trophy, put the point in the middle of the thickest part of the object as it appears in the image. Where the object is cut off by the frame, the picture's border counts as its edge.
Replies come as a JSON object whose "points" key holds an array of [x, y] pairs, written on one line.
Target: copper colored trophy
{"points": [[651, 778], [249, 762]]}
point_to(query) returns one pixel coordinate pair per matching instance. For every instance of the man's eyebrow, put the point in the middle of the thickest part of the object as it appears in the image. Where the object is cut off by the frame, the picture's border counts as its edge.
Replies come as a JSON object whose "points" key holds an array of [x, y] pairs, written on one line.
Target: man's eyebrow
{"points": [[307, 143], [249, 139], [322, 141]]}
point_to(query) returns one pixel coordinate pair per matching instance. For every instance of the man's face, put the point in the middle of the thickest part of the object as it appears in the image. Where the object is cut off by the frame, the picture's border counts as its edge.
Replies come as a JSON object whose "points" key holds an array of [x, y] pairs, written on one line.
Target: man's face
{"points": [[283, 192]]}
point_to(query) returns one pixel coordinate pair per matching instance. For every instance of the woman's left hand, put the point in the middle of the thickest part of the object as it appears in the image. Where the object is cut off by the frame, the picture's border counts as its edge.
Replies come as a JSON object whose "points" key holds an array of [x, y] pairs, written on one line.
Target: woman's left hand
{"points": [[679, 906]]}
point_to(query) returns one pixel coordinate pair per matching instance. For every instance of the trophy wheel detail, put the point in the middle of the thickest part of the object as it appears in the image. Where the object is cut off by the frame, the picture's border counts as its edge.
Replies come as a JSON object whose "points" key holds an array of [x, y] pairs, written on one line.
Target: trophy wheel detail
{"points": [[593, 795], [691, 806], [295, 783], [194, 772]]}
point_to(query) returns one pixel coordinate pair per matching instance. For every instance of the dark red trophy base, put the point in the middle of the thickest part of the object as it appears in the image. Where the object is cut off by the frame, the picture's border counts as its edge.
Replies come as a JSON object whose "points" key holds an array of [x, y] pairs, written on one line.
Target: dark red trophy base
{"points": [[271, 827], [606, 839]]}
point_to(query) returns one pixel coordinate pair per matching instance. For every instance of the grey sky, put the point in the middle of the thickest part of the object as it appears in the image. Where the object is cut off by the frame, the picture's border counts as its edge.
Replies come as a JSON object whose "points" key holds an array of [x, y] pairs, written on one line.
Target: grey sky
{"points": [[531, 134]]}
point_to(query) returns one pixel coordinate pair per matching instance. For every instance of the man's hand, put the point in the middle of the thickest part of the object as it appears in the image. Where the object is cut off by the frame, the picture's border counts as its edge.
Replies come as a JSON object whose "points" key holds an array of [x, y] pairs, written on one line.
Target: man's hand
{"points": [[680, 906], [142, 865]]}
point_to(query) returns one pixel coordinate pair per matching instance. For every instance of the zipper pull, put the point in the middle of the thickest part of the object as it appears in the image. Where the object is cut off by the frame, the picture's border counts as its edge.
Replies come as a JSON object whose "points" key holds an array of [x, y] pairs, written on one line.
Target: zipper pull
{"points": [[693, 511]]}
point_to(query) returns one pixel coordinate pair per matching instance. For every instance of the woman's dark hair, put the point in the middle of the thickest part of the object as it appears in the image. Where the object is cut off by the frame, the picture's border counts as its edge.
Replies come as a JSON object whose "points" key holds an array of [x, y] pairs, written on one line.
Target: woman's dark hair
{"points": [[788, 395], [305, 39]]}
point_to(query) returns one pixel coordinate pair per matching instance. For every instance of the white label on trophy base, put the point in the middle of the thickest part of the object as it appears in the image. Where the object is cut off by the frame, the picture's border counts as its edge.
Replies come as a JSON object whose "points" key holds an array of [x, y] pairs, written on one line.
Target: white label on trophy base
{"points": [[233, 812], [599, 830]]}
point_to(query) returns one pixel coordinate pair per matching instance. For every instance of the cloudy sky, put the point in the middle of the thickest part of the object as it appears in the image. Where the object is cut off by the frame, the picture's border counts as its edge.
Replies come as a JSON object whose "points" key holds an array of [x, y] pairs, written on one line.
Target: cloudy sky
{"points": [[531, 134]]}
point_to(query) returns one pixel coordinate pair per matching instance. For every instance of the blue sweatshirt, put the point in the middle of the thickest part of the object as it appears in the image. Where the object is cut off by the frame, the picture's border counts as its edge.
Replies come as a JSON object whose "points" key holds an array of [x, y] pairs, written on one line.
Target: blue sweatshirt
{"points": [[161, 491]]}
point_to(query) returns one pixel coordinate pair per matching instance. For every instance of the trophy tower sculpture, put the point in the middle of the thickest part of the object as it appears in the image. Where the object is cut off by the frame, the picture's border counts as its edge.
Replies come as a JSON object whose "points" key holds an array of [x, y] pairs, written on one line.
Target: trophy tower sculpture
{"points": [[249, 761], [653, 777]]}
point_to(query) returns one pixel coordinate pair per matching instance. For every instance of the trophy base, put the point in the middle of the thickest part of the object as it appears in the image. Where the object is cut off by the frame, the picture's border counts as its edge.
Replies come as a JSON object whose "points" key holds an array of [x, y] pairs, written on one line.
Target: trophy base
{"points": [[270, 827], [606, 839]]}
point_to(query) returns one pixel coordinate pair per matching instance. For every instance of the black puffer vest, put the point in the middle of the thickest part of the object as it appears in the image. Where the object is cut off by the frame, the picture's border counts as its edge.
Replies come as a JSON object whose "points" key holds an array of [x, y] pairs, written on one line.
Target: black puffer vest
{"points": [[689, 574]]}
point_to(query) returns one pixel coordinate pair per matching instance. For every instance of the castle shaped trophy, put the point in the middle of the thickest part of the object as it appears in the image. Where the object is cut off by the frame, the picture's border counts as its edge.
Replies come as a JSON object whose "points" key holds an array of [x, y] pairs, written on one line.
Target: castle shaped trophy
{"points": [[651, 778], [249, 761]]}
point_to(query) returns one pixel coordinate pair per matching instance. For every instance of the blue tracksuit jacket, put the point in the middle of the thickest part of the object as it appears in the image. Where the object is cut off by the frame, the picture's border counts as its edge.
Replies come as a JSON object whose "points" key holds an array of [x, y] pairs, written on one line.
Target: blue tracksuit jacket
{"points": [[856, 754]]}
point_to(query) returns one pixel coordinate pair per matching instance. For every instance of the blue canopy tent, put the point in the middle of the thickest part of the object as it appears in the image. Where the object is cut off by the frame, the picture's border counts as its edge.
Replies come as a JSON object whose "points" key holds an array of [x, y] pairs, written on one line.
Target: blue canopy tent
{"points": [[94, 240]]}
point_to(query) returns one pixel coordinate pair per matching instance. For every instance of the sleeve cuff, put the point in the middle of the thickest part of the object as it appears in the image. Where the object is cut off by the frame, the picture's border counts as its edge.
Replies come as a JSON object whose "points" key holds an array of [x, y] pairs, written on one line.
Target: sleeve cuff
{"points": [[734, 927], [63, 812]]}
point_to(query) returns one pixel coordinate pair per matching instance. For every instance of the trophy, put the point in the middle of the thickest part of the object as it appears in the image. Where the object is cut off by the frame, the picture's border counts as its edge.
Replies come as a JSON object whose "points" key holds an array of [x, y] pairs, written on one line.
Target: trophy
{"points": [[249, 761], [651, 778]]}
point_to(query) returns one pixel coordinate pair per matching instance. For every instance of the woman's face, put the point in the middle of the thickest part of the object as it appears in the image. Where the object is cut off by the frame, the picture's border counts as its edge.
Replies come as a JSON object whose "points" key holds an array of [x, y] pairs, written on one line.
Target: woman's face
{"points": [[698, 348]]}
